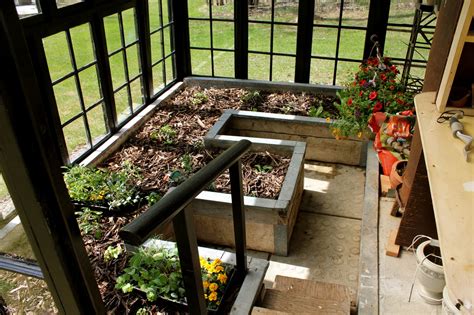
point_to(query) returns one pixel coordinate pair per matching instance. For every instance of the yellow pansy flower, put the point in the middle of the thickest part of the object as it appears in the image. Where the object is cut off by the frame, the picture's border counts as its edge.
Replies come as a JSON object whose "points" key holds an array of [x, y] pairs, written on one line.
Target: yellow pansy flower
{"points": [[213, 296], [222, 278], [218, 269], [213, 286]]}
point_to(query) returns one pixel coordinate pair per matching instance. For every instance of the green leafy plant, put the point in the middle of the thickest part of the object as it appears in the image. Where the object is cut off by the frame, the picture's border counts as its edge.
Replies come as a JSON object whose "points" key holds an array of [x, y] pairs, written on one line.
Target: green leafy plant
{"points": [[112, 252], [88, 221], [167, 134], [155, 270], [199, 98], [153, 198], [316, 112], [252, 98], [187, 163], [263, 168], [101, 187], [142, 311], [374, 89]]}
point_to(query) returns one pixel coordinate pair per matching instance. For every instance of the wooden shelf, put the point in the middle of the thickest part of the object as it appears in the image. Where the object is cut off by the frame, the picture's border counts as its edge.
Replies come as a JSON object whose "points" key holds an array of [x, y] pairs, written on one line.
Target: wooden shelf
{"points": [[470, 37], [451, 181]]}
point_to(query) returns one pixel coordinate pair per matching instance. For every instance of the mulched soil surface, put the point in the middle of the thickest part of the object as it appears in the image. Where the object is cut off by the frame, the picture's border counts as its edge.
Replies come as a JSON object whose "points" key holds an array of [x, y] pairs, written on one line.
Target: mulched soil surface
{"points": [[190, 114]]}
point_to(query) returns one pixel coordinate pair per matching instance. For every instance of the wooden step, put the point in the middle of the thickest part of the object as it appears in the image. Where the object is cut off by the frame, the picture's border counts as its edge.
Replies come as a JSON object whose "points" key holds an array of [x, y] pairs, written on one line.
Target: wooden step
{"points": [[296, 303], [315, 289], [265, 311]]}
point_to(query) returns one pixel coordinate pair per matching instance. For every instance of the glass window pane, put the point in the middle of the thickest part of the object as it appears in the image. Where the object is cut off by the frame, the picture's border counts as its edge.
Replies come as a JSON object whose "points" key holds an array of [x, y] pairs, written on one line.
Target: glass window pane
{"points": [[154, 14], [137, 94], [286, 11], [396, 44], [402, 11], [167, 16], [201, 62], [169, 69], [129, 26], [167, 40], [158, 80], [346, 72], [284, 40], [82, 44], [321, 71], [21, 294], [283, 69], [122, 105], [223, 34], [198, 8], [223, 9], [65, 3], [259, 37], [26, 8], [260, 10], [324, 42], [133, 61], [57, 55], [259, 67], [112, 33], [327, 12], [199, 32], [117, 70], [76, 139], [97, 123], [156, 52], [224, 64], [356, 13], [67, 99], [352, 44], [90, 86]]}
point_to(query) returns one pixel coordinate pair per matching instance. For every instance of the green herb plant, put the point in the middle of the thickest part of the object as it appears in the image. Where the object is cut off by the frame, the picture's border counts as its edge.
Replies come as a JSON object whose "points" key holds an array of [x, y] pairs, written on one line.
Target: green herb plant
{"points": [[112, 252], [88, 221], [167, 134], [252, 99], [153, 198], [199, 98], [263, 168], [102, 187], [316, 112], [154, 270]]}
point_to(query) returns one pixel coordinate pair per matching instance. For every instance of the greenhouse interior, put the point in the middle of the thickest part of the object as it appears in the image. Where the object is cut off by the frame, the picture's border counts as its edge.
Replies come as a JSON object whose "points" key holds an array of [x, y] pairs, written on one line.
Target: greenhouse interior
{"points": [[236, 157]]}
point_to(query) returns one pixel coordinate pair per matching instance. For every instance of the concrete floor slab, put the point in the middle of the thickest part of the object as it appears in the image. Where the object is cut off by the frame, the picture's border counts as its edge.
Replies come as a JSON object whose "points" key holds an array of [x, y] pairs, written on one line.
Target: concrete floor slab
{"points": [[333, 189], [323, 248], [396, 274]]}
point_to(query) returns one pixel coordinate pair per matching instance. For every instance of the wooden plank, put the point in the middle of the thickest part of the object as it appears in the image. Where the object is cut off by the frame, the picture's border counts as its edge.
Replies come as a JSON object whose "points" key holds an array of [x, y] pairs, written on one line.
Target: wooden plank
{"points": [[392, 249], [313, 289], [385, 185], [442, 39], [302, 304], [454, 56], [451, 181], [368, 301], [470, 37], [265, 311]]}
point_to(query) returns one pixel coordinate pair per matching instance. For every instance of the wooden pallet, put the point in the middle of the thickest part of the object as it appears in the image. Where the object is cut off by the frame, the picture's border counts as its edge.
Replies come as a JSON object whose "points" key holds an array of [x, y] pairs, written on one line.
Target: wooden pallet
{"points": [[298, 296]]}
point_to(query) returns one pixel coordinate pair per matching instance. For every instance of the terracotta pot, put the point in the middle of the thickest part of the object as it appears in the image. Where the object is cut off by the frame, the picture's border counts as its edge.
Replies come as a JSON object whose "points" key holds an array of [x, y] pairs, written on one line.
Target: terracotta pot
{"points": [[430, 275], [395, 178]]}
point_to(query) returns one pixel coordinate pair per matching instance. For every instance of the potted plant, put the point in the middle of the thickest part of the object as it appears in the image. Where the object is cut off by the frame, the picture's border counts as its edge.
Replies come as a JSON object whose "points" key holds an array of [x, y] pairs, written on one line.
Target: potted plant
{"points": [[374, 89], [105, 191], [154, 271]]}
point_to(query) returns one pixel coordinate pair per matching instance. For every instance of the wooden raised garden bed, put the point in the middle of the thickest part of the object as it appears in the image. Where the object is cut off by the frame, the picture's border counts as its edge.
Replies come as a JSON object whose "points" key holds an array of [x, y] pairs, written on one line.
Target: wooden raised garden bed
{"points": [[315, 132], [269, 222]]}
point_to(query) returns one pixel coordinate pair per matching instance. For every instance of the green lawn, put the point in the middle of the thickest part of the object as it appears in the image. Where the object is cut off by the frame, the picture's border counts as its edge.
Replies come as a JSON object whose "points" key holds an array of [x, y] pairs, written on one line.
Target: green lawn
{"points": [[324, 44]]}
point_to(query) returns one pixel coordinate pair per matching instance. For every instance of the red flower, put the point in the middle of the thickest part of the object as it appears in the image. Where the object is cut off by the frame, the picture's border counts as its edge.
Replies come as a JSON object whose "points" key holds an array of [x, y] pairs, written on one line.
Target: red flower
{"points": [[392, 87], [349, 102], [377, 108], [394, 69], [361, 83], [360, 93], [373, 95], [399, 101], [383, 77]]}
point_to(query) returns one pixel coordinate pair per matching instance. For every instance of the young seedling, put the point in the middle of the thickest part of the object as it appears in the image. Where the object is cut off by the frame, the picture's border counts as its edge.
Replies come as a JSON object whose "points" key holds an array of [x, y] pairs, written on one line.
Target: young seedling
{"points": [[316, 112], [112, 252], [199, 98], [252, 98], [88, 221], [263, 168]]}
